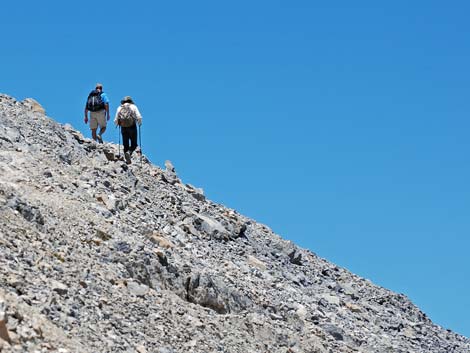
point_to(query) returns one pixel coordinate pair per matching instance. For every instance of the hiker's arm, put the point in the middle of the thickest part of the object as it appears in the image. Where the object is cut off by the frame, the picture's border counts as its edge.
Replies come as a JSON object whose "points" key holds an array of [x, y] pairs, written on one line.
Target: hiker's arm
{"points": [[116, 117], [137, 115], [86, 116], [106, 106]]}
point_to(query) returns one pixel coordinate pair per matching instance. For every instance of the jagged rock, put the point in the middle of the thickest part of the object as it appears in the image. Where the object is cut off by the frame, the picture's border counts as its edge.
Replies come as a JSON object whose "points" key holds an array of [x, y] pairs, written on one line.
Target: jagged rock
{"points": [[239, 231], [197, 193], [330, 299], [4, 335], [100, 256], [169, 167], [334, 331], [253, 261], [165, 350], [353, 307], [110, 156], [169, 174], [59, 287], [160, 240], [29, 212], [137, 289], [211, 292], [162, 259], [295, 257], [141, 349], [212, 227], [34, 106], [103, 234]]}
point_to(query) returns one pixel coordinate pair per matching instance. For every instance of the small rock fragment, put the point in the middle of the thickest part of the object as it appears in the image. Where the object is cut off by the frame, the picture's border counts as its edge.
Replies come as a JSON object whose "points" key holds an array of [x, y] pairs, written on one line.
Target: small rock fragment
{"points": [[4, 335], [253, 261]]}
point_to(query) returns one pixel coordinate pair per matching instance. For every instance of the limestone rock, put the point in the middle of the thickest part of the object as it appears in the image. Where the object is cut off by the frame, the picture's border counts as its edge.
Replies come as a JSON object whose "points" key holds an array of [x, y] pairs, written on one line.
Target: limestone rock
{"points": [[137, 288], [353, 307], [330, 299], [100, 256], [160, 240], [34, 106], [197, 193], [169, 174], [295, 257], [4, 335], [59, 287], [253, 261]]}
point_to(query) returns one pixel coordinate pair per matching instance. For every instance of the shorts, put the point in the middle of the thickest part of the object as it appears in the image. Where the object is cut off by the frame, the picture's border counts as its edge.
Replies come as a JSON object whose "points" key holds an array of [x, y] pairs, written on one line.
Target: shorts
{"points": [[98, 119]]}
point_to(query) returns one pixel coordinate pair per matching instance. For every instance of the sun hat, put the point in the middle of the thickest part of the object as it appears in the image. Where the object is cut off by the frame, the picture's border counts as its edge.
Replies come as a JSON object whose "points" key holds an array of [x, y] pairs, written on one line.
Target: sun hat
{"points": [[127, 99]]}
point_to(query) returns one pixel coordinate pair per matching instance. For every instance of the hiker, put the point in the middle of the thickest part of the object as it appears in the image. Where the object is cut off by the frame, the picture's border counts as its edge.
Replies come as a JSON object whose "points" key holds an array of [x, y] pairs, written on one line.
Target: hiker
{"points": [[127, 114], [98, 106]]}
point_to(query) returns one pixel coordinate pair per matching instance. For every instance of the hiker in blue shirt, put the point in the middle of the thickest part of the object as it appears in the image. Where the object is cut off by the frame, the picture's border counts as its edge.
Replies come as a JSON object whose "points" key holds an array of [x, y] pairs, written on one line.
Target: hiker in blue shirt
{"points": [[98, 106]]}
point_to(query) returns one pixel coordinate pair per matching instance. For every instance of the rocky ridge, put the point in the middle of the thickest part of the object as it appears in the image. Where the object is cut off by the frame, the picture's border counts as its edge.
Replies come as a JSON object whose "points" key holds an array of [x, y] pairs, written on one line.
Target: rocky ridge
{"points": [[100, 256]]}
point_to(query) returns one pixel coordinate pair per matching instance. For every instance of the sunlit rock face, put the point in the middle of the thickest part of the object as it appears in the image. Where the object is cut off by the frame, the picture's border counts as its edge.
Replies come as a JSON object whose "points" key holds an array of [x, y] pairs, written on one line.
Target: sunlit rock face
{"points": [[97, 255]]}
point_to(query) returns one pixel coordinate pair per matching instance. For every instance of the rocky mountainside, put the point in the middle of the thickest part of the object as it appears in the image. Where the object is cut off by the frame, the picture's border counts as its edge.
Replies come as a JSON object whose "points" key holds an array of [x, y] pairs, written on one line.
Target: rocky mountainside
{"points": [[100, 256]]}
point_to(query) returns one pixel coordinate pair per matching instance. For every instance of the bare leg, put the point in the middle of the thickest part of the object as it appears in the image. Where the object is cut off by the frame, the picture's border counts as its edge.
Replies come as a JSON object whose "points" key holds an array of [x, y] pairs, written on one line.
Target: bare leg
{"points": [[102, 130], [93, 134]]}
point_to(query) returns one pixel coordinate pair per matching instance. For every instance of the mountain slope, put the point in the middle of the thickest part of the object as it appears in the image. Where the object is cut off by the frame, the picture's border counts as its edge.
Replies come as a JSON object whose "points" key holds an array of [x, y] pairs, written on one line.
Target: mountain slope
{"points": [[99, 256]]}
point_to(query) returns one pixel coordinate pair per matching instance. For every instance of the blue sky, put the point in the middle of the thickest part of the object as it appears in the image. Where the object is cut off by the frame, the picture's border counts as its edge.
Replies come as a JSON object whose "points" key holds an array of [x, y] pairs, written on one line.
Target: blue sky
{"points": [[344, 126]]}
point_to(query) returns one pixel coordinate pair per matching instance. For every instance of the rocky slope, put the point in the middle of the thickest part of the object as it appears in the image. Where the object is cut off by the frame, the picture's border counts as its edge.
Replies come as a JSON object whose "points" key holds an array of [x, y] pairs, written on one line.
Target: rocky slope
{"points": [[99, 256]]}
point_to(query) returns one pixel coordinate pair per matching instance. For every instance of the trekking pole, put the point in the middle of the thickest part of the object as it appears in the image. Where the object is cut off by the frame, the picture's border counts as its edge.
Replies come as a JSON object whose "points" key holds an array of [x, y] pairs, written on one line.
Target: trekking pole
{"points": [[140, 144], [119, 145]]}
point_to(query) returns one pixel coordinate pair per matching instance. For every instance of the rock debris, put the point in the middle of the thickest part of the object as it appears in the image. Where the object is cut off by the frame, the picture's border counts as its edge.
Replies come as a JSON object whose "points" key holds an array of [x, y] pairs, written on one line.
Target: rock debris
{"points": [[100, 256]]}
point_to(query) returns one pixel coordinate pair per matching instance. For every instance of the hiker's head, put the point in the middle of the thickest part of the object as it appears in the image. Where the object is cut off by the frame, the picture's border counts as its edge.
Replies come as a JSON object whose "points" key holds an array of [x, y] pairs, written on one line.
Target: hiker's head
{"points": [[99, 87], [127, 99]]}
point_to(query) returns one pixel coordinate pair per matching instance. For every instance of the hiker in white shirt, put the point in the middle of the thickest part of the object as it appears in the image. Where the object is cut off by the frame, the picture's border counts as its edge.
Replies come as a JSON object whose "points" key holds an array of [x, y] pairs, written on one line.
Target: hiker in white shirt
{"points": [[127, 117]]}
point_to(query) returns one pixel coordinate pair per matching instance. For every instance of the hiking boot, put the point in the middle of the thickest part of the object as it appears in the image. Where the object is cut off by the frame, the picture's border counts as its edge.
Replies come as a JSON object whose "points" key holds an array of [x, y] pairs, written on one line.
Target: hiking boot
{"points": [[99, 138], [127, 157]]}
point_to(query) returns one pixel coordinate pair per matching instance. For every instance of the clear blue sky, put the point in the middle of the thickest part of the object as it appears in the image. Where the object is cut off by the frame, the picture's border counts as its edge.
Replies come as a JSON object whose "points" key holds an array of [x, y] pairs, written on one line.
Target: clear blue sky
{"points": [[344, 126]]}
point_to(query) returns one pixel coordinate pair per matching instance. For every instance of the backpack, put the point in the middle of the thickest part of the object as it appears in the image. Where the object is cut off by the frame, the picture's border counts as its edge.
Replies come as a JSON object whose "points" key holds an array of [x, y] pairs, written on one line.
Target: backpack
{"points": [[94, 101], [126, 117]]}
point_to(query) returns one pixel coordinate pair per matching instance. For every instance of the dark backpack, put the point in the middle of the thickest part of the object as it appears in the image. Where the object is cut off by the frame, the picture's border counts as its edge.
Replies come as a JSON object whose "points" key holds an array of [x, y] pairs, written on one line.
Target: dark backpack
{"points": [[94, 101], [126, 117]]}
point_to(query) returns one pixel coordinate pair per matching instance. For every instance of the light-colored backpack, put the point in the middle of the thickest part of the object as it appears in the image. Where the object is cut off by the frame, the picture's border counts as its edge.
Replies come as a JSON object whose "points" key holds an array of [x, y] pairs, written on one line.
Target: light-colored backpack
{"points": [[126, 117]]}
